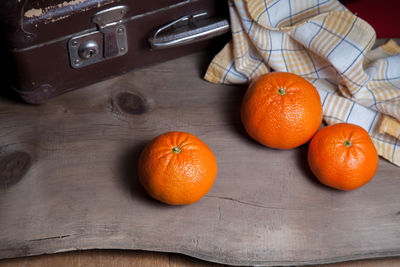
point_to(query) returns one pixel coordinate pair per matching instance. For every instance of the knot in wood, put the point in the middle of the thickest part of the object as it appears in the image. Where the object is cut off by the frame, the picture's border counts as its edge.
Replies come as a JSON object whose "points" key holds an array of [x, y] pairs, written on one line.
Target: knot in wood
{"points": [[13, 167], [131, 103]]}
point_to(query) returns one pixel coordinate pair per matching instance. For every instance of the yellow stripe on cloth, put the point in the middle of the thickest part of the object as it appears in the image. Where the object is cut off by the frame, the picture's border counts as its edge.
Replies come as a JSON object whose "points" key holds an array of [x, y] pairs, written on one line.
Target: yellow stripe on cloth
{"points": [[390, 126], [328, 45]]}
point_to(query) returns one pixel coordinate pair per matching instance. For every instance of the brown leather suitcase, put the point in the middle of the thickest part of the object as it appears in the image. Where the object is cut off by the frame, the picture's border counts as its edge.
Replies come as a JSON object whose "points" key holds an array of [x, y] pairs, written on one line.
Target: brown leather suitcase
{"points": [[55, 45]]}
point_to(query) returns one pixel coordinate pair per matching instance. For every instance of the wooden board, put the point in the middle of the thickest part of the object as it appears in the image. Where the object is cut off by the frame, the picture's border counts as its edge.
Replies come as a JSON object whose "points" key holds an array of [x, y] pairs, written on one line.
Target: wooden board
{"points": [[125, 258], [68, 180]]}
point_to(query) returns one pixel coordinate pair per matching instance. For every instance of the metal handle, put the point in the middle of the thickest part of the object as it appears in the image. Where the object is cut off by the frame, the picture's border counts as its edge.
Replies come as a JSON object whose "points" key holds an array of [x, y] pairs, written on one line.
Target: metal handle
{"points": [[187, 30]]}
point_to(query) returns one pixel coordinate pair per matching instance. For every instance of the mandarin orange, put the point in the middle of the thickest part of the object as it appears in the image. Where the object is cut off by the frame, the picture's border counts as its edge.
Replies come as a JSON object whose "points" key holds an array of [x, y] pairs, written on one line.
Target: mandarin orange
{"points": [[177, 168], [343, 156], [281, 110]]}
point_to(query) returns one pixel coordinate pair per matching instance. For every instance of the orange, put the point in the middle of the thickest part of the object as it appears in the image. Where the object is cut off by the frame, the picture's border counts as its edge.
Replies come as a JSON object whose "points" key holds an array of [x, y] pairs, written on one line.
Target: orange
{"points": [[343, 156], [281, 110], [177, 168]]}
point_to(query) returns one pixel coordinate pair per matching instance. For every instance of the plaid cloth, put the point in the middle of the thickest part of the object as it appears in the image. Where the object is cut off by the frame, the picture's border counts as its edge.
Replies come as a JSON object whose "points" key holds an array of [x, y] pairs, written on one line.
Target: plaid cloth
{"points": [[329, 46]]}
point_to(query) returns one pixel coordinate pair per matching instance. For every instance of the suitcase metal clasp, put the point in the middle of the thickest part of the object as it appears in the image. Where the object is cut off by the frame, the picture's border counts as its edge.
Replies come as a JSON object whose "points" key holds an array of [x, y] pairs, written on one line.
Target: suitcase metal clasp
{"points": [[108, 41]]}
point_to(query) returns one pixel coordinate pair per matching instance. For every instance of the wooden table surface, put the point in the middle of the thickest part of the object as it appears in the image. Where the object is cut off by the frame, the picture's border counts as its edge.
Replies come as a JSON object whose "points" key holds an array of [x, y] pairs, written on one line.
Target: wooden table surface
{"points": [[68, 182]]}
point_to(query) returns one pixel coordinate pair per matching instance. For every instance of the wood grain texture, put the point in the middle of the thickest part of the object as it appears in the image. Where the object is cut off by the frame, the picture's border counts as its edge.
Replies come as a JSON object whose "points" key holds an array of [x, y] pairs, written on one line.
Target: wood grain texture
{"points": [[74, 184]]}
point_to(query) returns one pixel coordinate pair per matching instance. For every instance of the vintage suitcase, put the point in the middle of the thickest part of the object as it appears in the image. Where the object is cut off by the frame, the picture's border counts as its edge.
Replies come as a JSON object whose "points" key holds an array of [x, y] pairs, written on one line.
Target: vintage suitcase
{"points": [[56, 45]]}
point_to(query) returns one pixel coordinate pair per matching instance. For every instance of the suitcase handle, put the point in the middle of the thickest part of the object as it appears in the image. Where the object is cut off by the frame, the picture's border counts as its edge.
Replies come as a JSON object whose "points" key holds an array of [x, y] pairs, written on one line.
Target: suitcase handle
{"points": [[186, 30]]}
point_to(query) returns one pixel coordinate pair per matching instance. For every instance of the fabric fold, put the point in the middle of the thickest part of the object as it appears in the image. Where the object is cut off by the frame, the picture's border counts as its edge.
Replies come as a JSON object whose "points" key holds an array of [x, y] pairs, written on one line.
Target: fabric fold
{"points": [[326, 44]]}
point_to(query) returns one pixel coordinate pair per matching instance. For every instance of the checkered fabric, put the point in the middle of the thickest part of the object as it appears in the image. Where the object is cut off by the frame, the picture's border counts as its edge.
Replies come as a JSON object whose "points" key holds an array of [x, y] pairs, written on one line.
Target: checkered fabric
{"points": [[329, 46]]}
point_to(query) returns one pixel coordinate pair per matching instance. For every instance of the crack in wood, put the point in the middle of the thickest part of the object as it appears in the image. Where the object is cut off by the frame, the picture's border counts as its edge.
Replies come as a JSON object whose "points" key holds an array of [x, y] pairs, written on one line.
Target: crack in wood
{"points": [[49, 238], [251, 203]]}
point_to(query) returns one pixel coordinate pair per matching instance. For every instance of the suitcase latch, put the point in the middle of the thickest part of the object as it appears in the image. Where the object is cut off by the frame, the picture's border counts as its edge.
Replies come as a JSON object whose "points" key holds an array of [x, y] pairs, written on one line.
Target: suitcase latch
{"points": [[108, 41]]}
